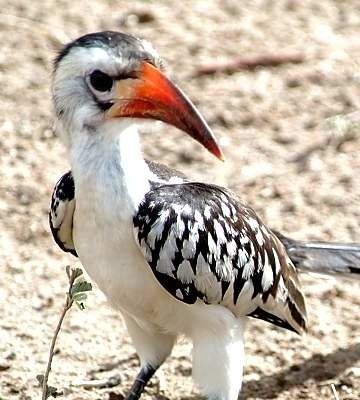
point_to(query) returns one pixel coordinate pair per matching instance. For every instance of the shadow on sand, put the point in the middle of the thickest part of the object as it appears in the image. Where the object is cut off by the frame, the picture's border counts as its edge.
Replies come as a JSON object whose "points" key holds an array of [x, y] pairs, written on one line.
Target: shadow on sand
{"points": [[319, 367]]}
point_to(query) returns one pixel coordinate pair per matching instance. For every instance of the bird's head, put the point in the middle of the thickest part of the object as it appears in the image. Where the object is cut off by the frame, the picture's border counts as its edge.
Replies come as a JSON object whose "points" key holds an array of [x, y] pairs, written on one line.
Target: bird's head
{"points": [[107, 77]]}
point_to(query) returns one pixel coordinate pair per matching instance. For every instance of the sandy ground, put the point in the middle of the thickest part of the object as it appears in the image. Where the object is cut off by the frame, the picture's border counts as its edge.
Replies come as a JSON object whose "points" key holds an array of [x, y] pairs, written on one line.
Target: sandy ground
{"points": [[267, 121]]}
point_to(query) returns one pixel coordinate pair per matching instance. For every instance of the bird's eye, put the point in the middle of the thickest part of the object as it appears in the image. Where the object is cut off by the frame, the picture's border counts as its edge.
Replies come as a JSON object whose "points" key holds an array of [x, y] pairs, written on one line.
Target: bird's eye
{"points": [[101, 81]]}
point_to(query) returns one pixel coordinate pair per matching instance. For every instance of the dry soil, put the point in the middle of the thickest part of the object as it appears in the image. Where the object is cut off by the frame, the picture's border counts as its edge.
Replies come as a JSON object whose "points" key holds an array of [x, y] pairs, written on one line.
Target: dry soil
{"points": [[281, 159]]}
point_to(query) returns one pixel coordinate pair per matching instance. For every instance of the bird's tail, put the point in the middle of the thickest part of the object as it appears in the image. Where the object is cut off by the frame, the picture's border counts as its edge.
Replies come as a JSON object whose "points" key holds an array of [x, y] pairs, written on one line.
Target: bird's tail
{"points": [[324, 257]]}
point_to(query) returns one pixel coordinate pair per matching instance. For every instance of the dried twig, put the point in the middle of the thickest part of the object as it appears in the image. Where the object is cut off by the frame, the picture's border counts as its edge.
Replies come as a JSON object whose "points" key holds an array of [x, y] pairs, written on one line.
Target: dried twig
{"points": [[336, 396], [251, 62], [76, 293], [100, 383]]}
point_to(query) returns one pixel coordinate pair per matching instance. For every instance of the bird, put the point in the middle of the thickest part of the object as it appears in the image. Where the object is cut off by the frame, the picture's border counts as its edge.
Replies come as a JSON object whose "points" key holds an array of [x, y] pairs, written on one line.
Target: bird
{"points": [[173, 255]]}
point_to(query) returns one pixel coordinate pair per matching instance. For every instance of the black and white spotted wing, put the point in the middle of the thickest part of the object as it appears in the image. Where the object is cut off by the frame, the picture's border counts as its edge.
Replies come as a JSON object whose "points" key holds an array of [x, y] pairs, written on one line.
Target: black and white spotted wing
{"points": [[62, 211], [202, 243]]}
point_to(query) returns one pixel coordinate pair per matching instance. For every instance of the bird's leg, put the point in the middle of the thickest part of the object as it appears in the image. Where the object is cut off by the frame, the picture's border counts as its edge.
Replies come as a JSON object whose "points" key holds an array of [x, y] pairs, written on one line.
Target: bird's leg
{"points": [[141, 381], [152, 347]]}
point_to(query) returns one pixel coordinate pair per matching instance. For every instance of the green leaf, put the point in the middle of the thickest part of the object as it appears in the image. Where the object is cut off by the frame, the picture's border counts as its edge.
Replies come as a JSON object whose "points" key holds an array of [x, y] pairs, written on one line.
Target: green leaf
{"points": [[79, 297], [40, 379], [77, 272], [80, 287]]}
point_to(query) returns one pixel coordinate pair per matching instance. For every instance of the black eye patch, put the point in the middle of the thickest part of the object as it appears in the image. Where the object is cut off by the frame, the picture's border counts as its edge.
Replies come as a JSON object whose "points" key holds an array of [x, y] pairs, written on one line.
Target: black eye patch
{"points": [[101, 81]]}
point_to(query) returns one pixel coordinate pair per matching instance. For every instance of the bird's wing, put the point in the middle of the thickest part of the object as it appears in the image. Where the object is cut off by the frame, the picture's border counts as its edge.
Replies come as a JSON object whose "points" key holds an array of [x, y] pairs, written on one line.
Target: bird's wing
{"points": [[202, 243], [62, 211]]}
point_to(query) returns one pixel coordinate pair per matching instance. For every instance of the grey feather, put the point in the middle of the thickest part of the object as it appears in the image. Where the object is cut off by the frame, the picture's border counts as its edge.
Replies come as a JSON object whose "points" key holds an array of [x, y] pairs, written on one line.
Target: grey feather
{"points": [[324, 257]]}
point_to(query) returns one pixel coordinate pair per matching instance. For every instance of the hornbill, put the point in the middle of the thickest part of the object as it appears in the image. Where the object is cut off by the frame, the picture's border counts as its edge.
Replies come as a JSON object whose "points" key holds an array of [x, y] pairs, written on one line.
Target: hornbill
{"points": [[175, 256]]}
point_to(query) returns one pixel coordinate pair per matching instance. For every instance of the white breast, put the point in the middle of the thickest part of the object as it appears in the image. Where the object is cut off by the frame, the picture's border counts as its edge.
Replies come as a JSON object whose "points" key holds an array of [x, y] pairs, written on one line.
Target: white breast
{"points": [[111, 180], [107, 249]]}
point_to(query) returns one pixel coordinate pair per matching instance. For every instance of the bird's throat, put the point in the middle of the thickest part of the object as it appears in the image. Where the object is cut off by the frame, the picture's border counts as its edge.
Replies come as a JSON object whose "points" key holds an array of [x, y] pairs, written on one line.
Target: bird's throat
{"points": [[108, 168]]}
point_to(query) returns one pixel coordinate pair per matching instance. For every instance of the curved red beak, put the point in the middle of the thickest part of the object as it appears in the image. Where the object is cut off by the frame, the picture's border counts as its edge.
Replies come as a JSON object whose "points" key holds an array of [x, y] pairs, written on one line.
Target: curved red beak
{"points": [[152, 95]]}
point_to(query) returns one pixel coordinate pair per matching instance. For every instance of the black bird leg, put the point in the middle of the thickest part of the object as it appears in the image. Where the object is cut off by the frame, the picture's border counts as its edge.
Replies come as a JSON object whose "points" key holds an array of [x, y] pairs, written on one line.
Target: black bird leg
{"points": [[141, 381]]}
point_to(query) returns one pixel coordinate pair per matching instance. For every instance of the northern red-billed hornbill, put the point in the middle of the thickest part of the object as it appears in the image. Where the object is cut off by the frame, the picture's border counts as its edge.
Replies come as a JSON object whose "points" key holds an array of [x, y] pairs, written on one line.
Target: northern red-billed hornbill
{"points": [[174, 256]]}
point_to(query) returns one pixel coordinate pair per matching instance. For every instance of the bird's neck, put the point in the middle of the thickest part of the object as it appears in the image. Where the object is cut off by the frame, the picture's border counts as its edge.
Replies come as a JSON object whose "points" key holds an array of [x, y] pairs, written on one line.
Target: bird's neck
{"points": [[109, 165]]}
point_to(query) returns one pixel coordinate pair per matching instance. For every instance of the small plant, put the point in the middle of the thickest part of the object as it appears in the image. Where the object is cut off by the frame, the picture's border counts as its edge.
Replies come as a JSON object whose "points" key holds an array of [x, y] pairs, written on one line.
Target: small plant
{"points": [[78, 287]]}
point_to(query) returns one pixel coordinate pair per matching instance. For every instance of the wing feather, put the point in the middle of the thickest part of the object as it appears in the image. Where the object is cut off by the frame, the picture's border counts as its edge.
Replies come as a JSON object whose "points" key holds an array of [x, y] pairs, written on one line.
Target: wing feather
{"points": [[201, 242], [61, 213]]}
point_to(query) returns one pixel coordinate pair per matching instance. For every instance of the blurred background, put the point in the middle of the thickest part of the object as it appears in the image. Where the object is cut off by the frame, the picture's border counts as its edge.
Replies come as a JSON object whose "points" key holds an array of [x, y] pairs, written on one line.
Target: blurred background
{"points": [[282, 158]]}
